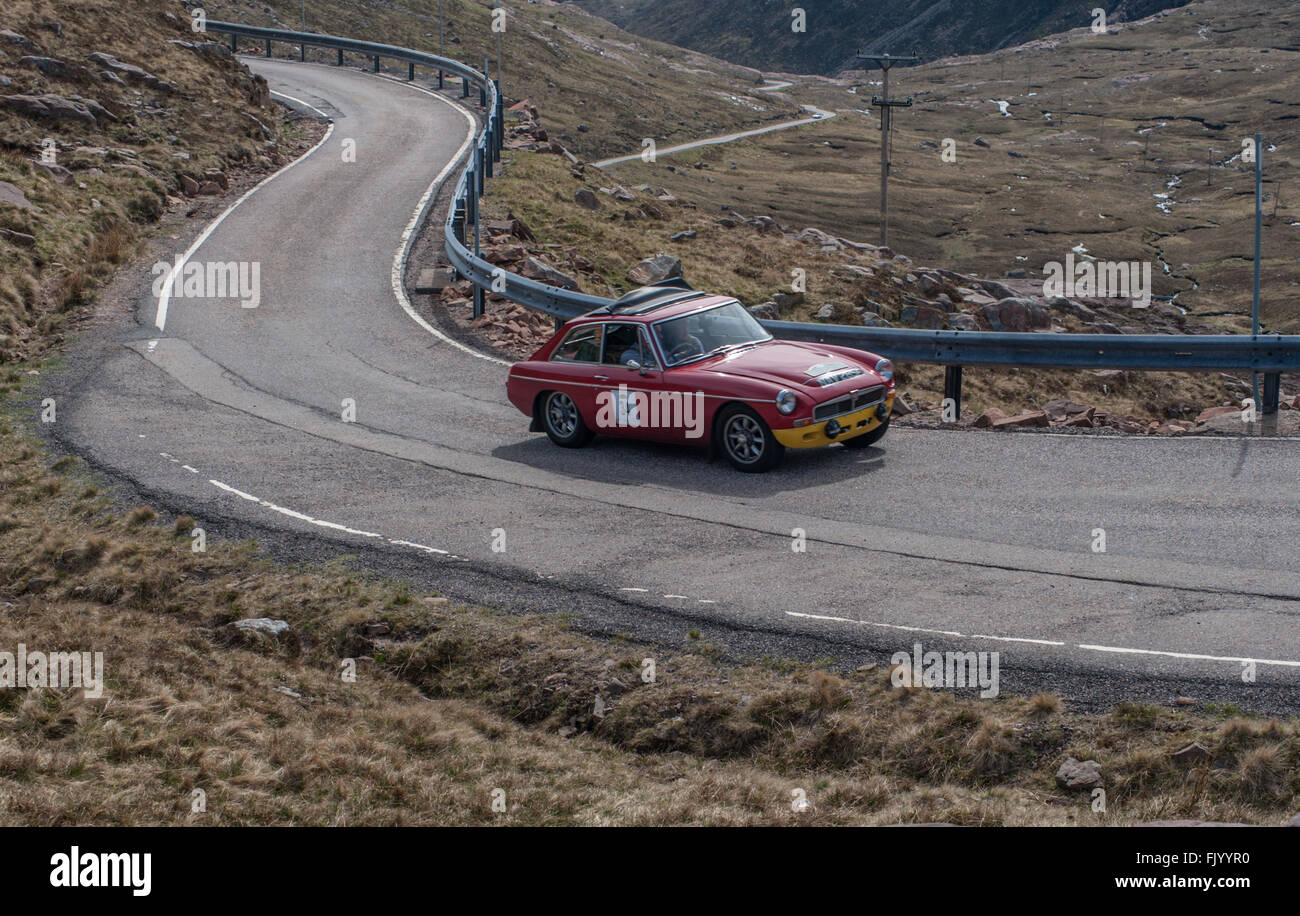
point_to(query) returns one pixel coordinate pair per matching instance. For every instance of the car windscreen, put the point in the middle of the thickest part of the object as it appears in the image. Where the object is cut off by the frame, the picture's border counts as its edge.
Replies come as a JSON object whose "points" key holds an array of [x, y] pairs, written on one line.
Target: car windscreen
{"points": [[701, 333]]}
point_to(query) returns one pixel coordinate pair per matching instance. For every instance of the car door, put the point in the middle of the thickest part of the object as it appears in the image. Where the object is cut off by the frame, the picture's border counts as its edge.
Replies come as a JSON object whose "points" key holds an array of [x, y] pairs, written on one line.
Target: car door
{"points": [[630, 381], [574, 365]]}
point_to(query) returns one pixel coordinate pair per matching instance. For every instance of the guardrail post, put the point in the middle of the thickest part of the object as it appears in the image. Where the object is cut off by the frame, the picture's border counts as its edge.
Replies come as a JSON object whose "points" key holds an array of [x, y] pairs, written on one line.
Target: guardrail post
{"points": [[410, 71], [1272, 392], [482, 92], [478, 290], [234, 43], [458, 221], [440, 86], [499, 135], [487, 151], [376, 63], [268, 47], [340, 63], [952, 388], [471, 200], [302, 52]]}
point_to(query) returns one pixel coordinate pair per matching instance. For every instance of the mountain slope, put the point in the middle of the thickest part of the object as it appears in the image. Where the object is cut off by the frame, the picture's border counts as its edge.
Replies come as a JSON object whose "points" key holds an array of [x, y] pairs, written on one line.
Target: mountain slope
{"points": [[759, 33]]}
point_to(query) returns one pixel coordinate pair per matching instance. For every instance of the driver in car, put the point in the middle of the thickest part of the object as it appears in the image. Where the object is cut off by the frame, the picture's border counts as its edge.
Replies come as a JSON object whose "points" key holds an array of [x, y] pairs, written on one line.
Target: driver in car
{"points": [[678, 342]]}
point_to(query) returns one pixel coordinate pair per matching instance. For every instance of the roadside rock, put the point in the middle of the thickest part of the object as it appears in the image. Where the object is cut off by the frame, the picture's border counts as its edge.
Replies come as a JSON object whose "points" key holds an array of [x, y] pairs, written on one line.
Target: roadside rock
{"points": [[51, 66], [1079, 774], [988, 418], [586, 198], [655, 270], [1016, 314], [534, 269], [1031, 418], [922, 316], [765, 311]]}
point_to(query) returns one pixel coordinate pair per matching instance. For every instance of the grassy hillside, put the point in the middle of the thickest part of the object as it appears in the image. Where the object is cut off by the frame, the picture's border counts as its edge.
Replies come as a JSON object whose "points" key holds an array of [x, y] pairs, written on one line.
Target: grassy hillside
{"points": [[121, 144], [602, 89], [1127, 144], [455, 707], [760, 33]]}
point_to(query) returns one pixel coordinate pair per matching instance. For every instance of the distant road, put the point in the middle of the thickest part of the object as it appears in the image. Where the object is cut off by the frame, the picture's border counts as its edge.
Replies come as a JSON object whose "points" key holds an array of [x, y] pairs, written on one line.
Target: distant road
{"points": [[818, 115]]}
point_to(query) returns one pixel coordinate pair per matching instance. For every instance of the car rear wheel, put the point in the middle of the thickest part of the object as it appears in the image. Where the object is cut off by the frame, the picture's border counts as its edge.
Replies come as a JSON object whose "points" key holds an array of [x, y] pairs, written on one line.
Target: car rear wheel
{"points": [[747, 441], [868, 439], [563, 421]]}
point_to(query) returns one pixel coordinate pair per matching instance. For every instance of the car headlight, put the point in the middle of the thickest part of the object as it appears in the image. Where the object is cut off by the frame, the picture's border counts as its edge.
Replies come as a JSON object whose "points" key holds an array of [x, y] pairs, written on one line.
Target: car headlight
{"points": [[885, 369], [786, 402]]}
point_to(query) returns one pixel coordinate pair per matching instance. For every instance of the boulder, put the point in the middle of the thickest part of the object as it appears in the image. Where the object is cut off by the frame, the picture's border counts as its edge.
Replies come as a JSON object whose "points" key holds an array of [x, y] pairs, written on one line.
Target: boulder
{"points": [[922, 316], [1015, 314], [50, 66], [960, 321], [988, 418], [1029, 418], [1079, 774], [1211, 412], [268, 625], [51, 106], [787, 300], [686, 236], [765, 311], [534, 269], [655, 270], [586, 198], [12, 194], [131, 71]]}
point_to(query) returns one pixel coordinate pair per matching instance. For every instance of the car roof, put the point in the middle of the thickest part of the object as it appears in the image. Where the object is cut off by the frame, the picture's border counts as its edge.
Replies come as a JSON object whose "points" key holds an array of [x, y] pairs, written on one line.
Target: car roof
{"points": [[663, 301]]}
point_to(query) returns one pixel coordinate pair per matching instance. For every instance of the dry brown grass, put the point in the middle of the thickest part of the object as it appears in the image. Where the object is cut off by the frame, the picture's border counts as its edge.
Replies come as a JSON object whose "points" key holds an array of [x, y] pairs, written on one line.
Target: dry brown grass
{"points": [[125, 173], [452, 702]]}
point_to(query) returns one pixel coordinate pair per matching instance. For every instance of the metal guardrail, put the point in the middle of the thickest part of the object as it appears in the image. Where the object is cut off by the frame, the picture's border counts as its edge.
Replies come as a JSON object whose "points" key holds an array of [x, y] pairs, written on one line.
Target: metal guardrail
{"points": [[1270, 354]]}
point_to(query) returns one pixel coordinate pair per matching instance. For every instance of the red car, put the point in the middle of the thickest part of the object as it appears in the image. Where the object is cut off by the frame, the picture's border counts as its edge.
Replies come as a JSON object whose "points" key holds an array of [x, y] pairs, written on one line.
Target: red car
{"points": [[675, 365]]}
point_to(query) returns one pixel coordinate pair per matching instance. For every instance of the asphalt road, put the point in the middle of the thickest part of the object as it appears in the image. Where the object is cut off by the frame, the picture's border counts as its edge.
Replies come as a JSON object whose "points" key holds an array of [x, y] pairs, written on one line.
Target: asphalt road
{"points": [[959, 540]]}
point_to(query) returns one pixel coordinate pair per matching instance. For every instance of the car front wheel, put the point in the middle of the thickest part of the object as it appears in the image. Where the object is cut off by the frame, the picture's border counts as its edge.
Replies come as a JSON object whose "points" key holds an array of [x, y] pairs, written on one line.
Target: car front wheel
{"points": [[563, 421], [747, 441]]}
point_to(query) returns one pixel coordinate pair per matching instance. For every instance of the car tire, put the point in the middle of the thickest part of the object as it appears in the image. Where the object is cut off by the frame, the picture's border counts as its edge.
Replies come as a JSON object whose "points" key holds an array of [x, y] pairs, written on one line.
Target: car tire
{"points": [[563, 421], [866, 440], [747, 441]]}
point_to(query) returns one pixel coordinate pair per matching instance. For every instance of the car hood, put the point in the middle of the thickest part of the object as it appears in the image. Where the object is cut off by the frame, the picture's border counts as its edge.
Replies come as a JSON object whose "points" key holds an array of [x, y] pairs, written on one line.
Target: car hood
{"points": [[790, 364]]}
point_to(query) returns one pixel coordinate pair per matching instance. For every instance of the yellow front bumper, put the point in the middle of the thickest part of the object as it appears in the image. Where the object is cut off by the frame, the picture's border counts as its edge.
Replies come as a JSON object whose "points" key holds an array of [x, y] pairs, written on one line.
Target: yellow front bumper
{"points": [[814, 434]]}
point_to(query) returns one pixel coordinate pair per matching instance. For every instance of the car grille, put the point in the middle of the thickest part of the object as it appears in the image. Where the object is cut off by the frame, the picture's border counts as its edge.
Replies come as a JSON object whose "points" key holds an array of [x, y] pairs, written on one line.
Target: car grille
{"points": [[849, 403]]}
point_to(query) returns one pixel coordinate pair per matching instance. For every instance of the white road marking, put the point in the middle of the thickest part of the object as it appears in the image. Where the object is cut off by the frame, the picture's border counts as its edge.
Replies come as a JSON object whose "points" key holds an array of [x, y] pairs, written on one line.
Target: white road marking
{"points": [[292, 514], [160, 318], [408, 236], [634, 589], [1191, 656]]}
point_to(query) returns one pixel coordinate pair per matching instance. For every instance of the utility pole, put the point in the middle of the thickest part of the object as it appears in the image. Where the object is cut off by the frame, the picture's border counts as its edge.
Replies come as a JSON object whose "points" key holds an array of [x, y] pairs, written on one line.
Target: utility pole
{"points": [[1259, 232], [442, 38], [886, 106]]}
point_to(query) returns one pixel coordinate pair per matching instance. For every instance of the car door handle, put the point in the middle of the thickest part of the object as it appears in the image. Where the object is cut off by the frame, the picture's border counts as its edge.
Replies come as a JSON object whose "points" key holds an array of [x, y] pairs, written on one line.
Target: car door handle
{"points": [[601, 378]]}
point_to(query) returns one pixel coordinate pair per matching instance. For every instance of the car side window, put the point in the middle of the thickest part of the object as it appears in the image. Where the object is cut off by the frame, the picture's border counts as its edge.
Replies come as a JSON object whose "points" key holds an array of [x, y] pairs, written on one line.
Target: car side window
{"points": [[582, 345], [624, 343]]}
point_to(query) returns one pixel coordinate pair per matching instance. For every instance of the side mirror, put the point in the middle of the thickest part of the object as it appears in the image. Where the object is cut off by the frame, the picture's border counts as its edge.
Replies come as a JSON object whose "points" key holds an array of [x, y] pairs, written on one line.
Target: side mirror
{"points": [[637, 367]]}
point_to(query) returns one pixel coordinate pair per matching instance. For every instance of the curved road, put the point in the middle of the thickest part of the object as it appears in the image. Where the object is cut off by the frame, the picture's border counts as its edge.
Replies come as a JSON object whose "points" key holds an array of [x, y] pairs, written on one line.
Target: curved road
{"points": [[968, 541]]}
